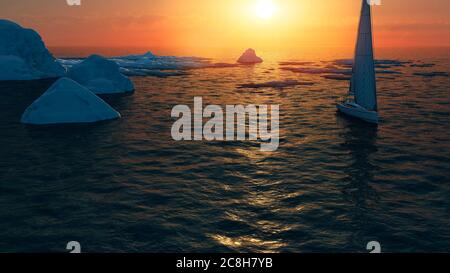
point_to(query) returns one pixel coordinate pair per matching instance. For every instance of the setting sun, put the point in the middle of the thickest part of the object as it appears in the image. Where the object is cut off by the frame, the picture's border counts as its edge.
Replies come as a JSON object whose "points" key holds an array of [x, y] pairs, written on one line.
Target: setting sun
{"points": [[265, 9]]}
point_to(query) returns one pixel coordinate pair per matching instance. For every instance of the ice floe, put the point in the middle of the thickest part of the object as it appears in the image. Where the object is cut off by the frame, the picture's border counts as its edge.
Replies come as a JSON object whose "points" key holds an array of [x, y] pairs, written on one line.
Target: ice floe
{"points": [[23, 55], [100, 75], [155, 66], [153, 62], [66, 101]]}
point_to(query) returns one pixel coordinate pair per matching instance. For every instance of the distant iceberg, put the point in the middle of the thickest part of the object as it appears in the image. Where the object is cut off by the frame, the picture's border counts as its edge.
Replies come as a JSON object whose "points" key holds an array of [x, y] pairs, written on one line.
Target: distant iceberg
{"points": [[101, 76], [249, 57], [149, 64], [23, 55], [68, 102], [148, 55], [152, 62]]}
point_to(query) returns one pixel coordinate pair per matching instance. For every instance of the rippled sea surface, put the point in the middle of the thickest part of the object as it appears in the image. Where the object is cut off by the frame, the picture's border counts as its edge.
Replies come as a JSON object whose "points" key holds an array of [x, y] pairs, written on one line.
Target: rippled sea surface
{"points": [[333, 185]]}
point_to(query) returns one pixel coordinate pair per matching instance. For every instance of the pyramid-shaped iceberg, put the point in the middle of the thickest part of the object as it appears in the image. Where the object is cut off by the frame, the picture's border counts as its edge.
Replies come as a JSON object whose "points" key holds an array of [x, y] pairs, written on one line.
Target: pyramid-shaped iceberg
{"points": [[249, 57], [68, 102]]}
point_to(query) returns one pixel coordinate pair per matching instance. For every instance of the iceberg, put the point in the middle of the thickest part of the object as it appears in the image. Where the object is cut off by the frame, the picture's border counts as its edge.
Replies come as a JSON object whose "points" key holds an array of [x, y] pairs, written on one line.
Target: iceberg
{"points": [[148, 55], [249, 57], [153, 62], [68, 102], [101, 76], [23, 55], [14, 68], [152, 65]]}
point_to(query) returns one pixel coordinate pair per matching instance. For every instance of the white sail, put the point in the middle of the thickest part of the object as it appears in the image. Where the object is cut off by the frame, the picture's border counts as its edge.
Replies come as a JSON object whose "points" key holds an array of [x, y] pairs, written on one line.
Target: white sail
{"points": [[363, 85]]}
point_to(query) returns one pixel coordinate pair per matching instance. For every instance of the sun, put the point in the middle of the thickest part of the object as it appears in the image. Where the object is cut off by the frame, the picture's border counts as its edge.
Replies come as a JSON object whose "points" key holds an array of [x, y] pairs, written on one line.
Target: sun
{"points": [[265, 9]]}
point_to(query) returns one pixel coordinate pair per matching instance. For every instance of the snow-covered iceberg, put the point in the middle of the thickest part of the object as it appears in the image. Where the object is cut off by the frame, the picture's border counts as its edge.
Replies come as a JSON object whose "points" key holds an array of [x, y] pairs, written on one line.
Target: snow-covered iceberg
{"points": [[101, 76], [23, 55], [68, 102], [249, 57]]}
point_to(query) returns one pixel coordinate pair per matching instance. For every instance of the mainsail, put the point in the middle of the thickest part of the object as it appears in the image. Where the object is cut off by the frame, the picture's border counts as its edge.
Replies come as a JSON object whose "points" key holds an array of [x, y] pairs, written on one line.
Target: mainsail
{"points": [[363, 85]]}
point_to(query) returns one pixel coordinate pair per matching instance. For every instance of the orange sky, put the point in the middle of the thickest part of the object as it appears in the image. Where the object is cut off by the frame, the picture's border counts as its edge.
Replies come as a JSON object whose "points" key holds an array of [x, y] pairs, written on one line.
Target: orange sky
{"points": [[205, 27]]}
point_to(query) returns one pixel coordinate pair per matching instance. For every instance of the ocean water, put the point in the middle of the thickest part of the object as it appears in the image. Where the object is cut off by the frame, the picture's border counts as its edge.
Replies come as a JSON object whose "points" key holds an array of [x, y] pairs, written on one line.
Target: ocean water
{"points": [[333, 185]]}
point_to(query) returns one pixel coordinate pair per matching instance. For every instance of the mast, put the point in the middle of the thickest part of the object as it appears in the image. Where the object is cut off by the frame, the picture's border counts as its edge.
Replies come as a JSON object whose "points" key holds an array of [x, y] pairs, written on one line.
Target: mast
{"points": [[363, 83]]}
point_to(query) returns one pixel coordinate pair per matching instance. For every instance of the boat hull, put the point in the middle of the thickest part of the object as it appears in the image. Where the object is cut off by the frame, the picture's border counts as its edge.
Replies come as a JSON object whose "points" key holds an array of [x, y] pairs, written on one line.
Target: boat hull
{"points": [[358, 112]]}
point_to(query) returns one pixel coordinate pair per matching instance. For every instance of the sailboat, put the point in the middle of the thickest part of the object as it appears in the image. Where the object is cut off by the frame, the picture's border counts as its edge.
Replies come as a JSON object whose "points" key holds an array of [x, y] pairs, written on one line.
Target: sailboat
{"points": [[361, 101]]}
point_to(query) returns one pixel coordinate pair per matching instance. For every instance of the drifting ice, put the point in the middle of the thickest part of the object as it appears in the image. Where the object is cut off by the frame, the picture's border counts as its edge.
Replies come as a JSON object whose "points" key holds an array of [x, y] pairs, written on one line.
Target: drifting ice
{"points": [[68, 102], [23, 55], [249, 57], [101, 76]]}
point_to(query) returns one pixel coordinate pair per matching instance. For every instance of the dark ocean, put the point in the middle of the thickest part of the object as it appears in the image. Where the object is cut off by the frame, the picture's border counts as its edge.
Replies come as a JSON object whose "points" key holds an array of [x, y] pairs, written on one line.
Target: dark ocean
{"points": [[333, 185]]}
